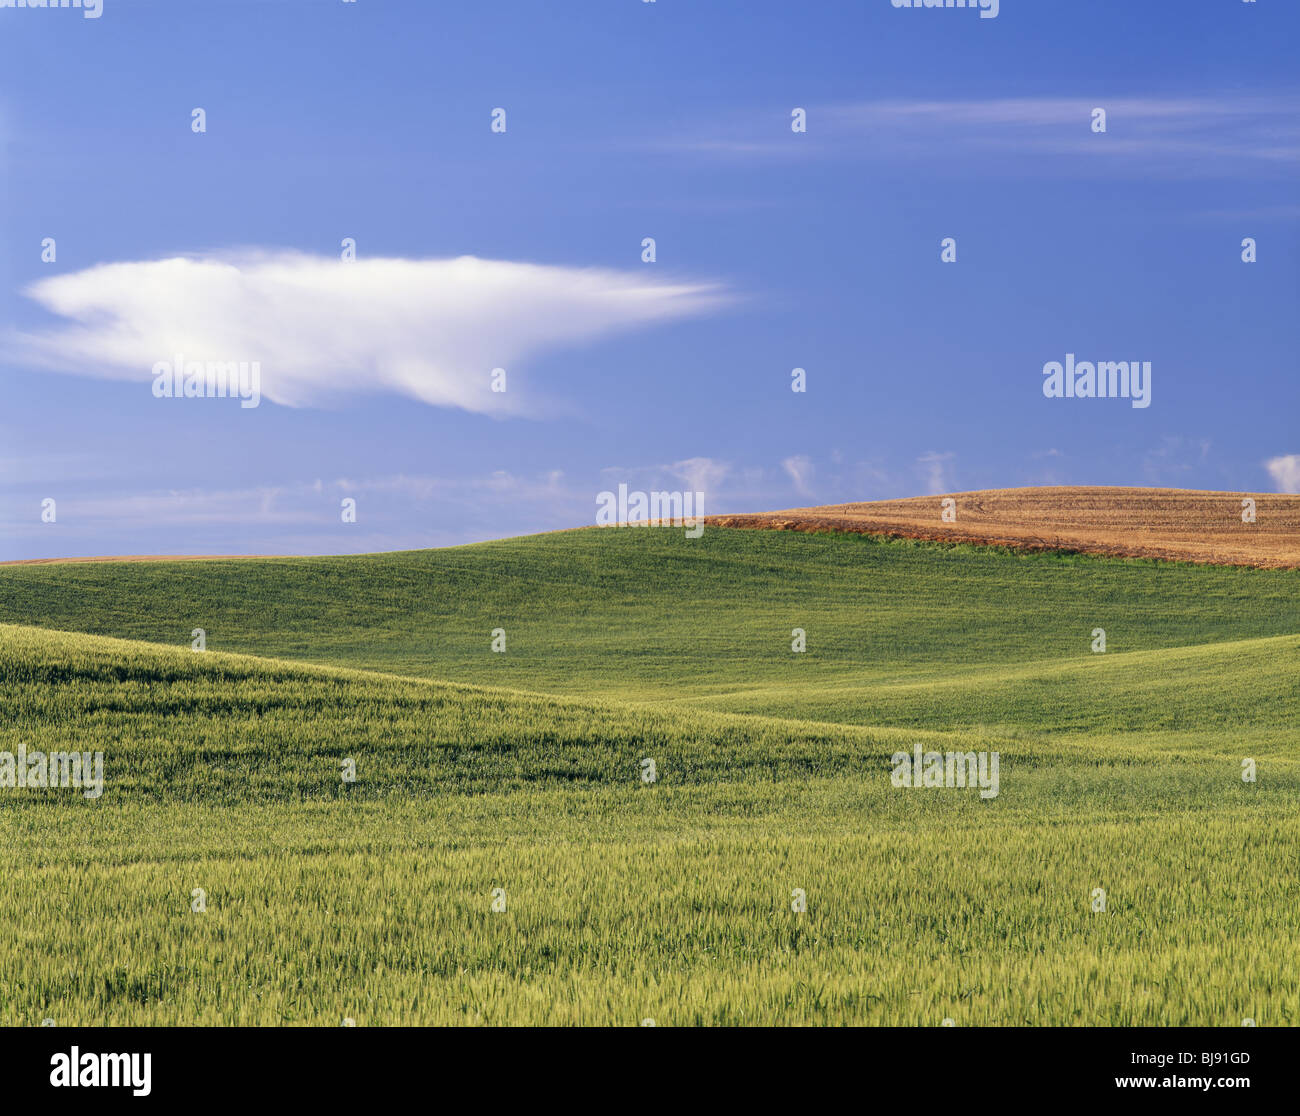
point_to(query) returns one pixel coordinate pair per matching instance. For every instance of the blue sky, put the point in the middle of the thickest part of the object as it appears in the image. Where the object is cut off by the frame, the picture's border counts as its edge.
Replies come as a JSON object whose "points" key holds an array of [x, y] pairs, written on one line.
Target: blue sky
{"points": [[628, 120]]}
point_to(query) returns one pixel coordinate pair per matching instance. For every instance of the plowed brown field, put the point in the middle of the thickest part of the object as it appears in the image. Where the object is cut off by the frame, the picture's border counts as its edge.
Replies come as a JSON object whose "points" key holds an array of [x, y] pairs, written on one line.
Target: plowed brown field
{"points": [[1171, 523]]}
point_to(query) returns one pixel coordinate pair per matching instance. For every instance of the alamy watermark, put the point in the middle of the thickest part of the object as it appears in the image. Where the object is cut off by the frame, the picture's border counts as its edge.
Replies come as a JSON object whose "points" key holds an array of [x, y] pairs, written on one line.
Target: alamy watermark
{"points": [[1107, 379], [213, 379], [89, 1070], [57, 769], [988, 9], [647, 509], [90, 9], [950, 769]]}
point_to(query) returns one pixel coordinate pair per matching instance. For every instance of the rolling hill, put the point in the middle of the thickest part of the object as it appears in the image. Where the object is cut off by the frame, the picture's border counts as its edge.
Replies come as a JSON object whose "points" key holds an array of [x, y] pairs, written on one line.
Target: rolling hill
{"points": [[649, 613], [523, 770]]}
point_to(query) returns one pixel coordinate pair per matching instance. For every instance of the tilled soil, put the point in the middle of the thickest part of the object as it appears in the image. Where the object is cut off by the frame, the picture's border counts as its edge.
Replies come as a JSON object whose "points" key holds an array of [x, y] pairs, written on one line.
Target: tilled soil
{"points": [[1175, 524]]}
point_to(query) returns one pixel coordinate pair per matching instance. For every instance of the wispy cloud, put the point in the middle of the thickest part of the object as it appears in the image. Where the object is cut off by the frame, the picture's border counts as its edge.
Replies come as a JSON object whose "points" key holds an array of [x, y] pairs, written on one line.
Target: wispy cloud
{"points": [[934, 466], [1168, 135], [1285, 472], [265, 505], [1255, 129], [799, 468], [716, 479], [304, 502], [322, 329], [700, 474], [1174, 458]]}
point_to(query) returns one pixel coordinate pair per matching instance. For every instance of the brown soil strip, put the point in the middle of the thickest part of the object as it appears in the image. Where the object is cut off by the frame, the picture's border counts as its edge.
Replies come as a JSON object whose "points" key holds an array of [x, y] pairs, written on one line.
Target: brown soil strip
{"points": [[1175, 524]]}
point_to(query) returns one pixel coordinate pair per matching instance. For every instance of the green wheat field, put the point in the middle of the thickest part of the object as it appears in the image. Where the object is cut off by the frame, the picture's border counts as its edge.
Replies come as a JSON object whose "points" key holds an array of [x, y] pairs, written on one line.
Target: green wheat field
{"points": [[486, 778]]}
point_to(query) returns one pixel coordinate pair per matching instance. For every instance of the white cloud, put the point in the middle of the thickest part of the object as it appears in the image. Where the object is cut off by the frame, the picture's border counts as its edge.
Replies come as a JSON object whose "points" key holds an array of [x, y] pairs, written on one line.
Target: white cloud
{"points": [[700, 474], [935, 467], [195, 506], [316, 502], [800, 470], [1285, 472], [1187, 130], [716, 479], [1175, 135], [322, 329]]}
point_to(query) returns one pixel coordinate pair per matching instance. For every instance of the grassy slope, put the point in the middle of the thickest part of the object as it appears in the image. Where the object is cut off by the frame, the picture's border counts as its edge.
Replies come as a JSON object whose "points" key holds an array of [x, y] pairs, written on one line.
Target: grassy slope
{"points": [[670, 901], [625, 901], [641, 613]]}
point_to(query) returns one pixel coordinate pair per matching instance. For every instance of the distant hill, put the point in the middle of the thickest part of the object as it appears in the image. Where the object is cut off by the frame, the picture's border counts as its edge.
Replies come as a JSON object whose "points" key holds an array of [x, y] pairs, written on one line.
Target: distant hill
{"points": [[1172, 523], [648, 614]]}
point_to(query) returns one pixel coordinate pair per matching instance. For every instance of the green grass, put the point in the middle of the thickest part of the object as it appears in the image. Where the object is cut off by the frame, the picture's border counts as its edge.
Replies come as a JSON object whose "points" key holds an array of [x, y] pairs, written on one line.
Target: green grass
{"points": [[372, 900], [644, 612]]}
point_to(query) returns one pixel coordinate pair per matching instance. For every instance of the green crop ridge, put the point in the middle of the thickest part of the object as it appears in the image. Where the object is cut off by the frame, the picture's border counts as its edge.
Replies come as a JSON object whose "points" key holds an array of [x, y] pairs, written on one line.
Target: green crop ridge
{"points": [[522, 771]]}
